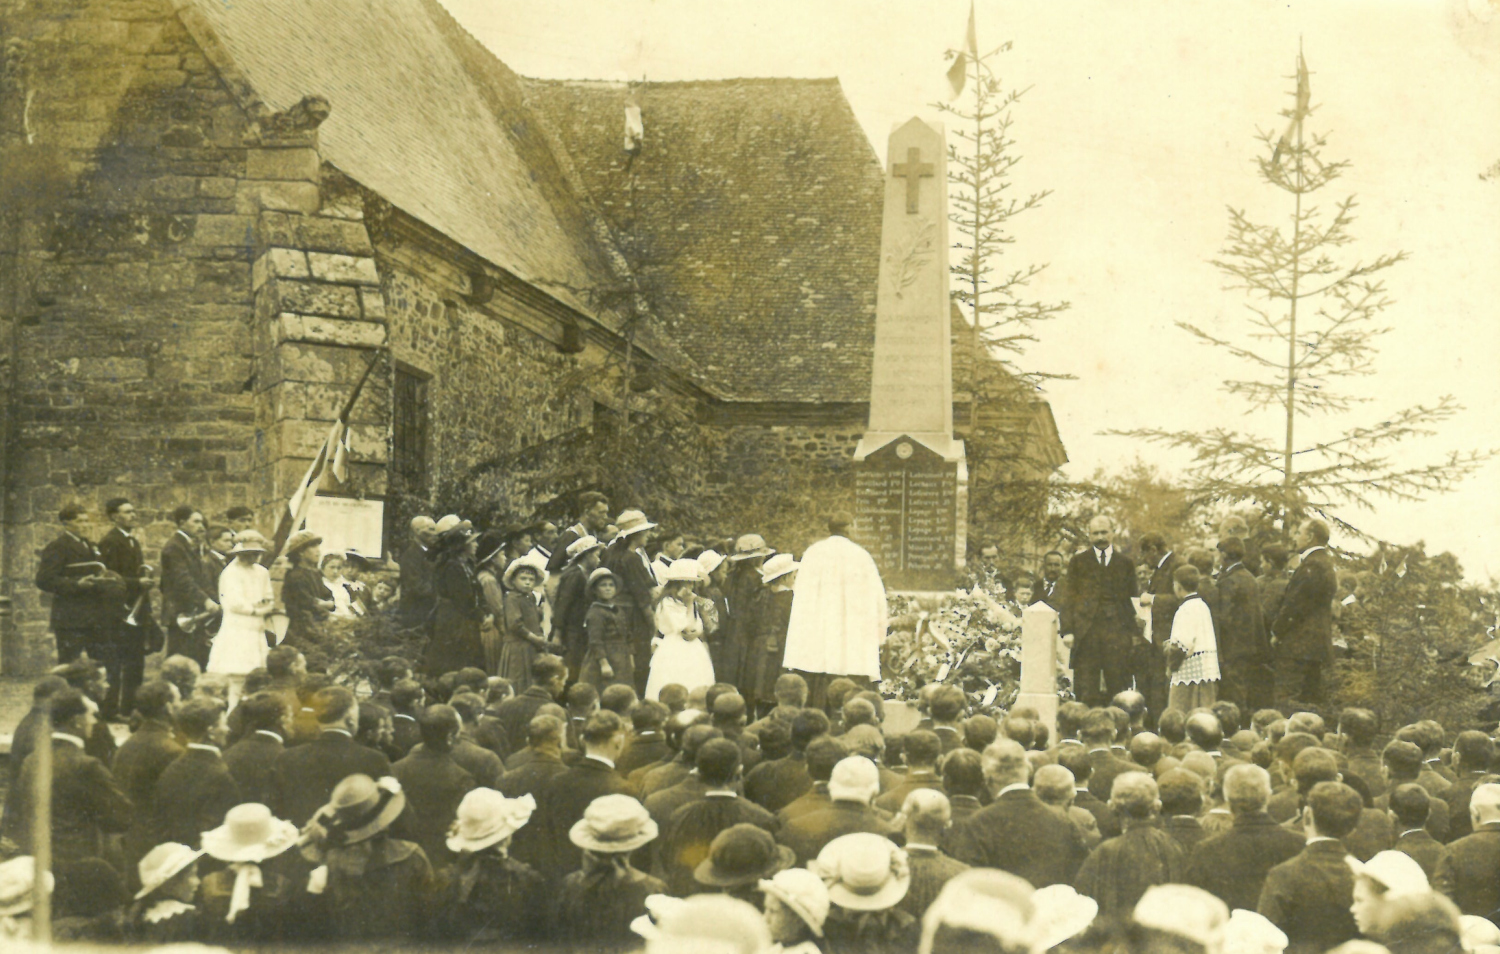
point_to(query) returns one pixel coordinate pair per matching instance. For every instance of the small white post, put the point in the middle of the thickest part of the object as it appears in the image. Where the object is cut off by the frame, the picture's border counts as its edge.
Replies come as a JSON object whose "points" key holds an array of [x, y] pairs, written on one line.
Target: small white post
{"points": [[1039, 663]]}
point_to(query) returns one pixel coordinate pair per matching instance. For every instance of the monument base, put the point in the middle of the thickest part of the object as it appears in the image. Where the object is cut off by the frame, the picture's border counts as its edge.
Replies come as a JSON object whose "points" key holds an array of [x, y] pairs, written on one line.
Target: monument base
{"points": [[911, 510]]}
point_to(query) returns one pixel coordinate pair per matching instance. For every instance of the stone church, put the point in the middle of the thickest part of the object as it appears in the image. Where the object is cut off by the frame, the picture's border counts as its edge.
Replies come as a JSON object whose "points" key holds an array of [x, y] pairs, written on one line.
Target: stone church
{"points": [[213, 214]]}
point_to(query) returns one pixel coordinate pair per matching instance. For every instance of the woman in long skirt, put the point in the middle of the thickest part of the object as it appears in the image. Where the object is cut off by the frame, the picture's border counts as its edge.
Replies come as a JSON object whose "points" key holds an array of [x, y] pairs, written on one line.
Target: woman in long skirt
{"points": [[681, 655], [490, 549], [459, 613], [245, 595], [308, 601]]}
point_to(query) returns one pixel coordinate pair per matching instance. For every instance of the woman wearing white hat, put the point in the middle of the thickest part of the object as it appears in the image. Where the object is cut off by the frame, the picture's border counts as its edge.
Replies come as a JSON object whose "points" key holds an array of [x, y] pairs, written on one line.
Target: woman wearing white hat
{"points": [[765, 640], [491, 897], [796, 908], [681, 655], [244, 903], [163, 912], [598, 902], [17, 893], [245, 594], [866, 875]]}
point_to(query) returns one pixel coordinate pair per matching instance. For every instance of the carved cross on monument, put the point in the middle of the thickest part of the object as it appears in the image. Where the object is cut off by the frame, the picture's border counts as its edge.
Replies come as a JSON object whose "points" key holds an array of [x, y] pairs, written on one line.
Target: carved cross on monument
{"points": [[913, 170]]}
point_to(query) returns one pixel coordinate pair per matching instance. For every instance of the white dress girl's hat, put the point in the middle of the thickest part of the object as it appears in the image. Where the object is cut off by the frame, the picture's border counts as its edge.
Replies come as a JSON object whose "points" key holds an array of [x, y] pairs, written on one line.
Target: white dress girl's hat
{"points": [[485, 818], [613, 824], [248, 541], [17, 880], [1396, 871], [162, 864], [750, 546], [863, 872], [632, 522], [778, 566], [983, 901], [803, 893], [683, 571], [1185, 911]]}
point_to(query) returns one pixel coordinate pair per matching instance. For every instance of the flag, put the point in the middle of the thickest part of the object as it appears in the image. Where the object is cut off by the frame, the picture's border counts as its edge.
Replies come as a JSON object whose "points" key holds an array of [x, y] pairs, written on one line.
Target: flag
{"points": [[958, 73], [1299, 112], [332, 455]]}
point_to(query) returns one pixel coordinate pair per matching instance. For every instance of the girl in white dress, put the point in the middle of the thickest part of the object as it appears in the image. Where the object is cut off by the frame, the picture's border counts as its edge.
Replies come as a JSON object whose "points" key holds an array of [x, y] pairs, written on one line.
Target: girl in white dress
{"points": [[245, 595], [680, 655]]}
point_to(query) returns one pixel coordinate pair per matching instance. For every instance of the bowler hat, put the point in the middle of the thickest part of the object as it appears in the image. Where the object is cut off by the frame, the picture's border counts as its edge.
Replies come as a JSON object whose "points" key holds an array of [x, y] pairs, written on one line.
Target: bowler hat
{"points": [[740, 855]]}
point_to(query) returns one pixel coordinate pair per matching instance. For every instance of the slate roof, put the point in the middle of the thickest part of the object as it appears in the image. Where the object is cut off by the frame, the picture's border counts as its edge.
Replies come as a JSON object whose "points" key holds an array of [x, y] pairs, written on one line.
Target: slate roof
{"points": [[757, 206]]}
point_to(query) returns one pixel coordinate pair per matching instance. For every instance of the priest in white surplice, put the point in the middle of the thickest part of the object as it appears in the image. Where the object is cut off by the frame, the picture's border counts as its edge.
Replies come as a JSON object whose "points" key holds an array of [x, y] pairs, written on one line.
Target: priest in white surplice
{"points": [[838, 613]]}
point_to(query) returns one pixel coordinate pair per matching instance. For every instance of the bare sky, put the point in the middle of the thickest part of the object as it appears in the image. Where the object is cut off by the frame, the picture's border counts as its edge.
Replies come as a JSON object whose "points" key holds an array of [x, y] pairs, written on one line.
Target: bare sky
{"points": [[1141, 118]]}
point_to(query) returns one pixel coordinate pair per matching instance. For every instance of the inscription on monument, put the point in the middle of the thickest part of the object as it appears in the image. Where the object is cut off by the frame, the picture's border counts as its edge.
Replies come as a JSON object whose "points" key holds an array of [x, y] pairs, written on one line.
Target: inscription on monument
{"points": [[905, 501]]}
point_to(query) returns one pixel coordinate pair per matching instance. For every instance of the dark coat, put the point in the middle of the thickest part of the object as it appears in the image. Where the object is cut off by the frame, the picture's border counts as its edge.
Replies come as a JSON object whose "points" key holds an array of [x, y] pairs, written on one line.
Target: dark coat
{"points": [[930, 870], [569, 610], [87, 804], [1458, 798], [76, 607], [192, 797], [1238, 622], [1164, 601], [185, 579], [1470, 875], [381, 888], [1272, 586], [1437, 814], [563, 800], [1107, 768], [515, 714], [122, 553], [1304, 625], [1308, 897], [776, 784], [491, 898], [646, 748], [816, 799], [1121, 869], [1052, 593], [1186, 831], [684, 841], [305, 775], [559, 558], [301, 588], [594, 914], [1233, 865], [1107, 818], [765, 646], [1424, 849], [1097, 606], [478, 761], [417, 595], [892, 800], [252, 762], [272, 915], [663, 804], [137, 767], [1018, 833], [455, 641], [434, 785], [405, 732], [633, 571], [807, 834]]}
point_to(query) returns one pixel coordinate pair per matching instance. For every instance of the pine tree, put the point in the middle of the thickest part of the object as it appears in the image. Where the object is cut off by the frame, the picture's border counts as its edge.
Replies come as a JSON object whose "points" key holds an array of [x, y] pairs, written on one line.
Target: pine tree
{"points": [[1313, 323]]}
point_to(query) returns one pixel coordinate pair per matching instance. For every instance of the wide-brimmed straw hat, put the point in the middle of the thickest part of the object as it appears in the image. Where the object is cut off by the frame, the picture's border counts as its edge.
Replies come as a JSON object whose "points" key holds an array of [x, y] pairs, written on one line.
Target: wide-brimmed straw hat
{"points": [[602, 573], [361, 808], [162, 864], [778, 566], [250, 833], [528, 562], [248, 541], [489, 546], [301, 540], [1396, 871], [1250, 933], [1060, 913], [984, 901], [613, 824], [803, 893], [485, 818], [632, 521], [750, 546], [17, 881], [682, 571], [452, 522], [863, 871], [584, 544], [741, 855], [1184, 911], [710, 560]]}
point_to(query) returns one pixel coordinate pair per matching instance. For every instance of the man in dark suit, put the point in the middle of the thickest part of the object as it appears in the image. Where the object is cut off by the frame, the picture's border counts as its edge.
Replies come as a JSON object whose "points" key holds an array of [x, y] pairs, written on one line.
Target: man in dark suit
{"points": [[1016, 832], [593, 518], [1076, 759], [138, 634], [1308, 896], [195, 792], [140, 761], [1051, 586], [626, 558], [1473, 753], [1244, 650], [1272, 580], [187, 588], [434, 785], [252, 760], [1099, 615], [1098, 734], [922, 751], [548, 676], [84, 610], [1233, 864], [1402, 762], [417, 594], [851, 790], [928, 816], [1121, 869], [647, 744], [1470, 875], [305, 775], [1149, 664], [776, 784], [566, 794], [1302, 636], [1410, 805], [691, 828]]}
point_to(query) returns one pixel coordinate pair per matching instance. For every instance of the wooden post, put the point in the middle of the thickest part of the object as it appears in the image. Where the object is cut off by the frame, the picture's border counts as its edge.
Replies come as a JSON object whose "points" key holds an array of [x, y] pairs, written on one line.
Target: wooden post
{"points": [[41, 834]]}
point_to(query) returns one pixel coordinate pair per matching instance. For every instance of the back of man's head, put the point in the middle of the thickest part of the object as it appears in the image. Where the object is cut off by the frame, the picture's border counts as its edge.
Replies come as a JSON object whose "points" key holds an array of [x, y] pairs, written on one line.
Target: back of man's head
{"points": [[790, 690], [1122, 722], [617, 698], [46, 687], [1475, 751], [865, 740], [1070, 716], [582, 699], [1146, 749], [1410, 805], [680, 722], [1053, 784], [1293, 743], [262, 711], [282, 660], [717, 762], [1359, 725], [406, 696], [947, 704], [838, 691], [1228, 715], [1172, 726], [647, 716], [980, 731], [823, 753], [775, 738], [963, 773], [1309, 722], [1181, 792], [1432, 737], [729, 710], [332, 705], [1403, 760], [1019, 730], [858, 711], [1005, 764], [1134, 795], [547, 667], [601, 728], [1335, 808], [1075, 759], [1204, 731], [674, 696], [922, 749], [153, 700], [439, 726], [1314, 765], [809, 724], [198, 716], [387, 671], [1098, 728], [544, 731], [67, 705], [927, 815], [1133, 703], [468, 705], [694, 738], [1247, 789]]}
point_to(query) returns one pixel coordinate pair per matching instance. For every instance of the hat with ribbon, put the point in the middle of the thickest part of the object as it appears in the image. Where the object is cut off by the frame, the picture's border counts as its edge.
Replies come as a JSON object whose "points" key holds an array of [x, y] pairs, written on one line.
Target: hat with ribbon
{"points": [[360, 808], [162, 864], [485, 818], [17, 881], [778, 566], [534, 563], [250, 833], [248, 541], [633, 521], [750, 546], [1396, 871], [452, 522], [864, 871], [584, 544], [742, 855], [613, 824], [683, 571], [803, 893], [301, 540]]}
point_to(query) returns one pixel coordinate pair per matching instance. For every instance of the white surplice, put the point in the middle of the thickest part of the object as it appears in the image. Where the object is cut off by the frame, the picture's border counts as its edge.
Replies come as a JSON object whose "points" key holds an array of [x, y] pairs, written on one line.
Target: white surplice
{"points": [[838, 611]]}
